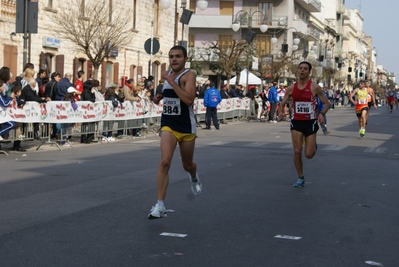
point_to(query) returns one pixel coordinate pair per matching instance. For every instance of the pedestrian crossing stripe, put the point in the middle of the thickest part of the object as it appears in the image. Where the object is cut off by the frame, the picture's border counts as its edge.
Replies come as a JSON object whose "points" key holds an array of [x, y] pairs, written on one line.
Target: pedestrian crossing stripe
{"points": [[334, 148], [218, 143], [287, 146], [259, 144], [376, 150]]}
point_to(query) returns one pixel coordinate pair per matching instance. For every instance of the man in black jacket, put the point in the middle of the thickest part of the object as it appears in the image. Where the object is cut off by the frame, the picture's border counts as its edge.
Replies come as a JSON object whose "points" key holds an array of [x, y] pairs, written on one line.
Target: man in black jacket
{"points": [[28, 94]]}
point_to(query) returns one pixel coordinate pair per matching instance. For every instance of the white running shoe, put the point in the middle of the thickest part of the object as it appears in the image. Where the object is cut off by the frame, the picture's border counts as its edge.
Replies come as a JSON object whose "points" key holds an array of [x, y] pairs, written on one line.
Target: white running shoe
{"points": [[1, 138], [111, 139], [157, 212], [104, 139], [196, 187]]}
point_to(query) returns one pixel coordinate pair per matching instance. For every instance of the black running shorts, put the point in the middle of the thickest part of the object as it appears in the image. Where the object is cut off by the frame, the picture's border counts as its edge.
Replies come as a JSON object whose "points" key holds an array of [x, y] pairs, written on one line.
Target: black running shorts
{"points": [[307, 127]]}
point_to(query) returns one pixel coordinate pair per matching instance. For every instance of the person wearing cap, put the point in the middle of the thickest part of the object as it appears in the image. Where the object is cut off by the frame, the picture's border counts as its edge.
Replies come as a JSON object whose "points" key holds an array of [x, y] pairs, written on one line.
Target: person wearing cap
{"points": [[361, 105], [304, 116]]}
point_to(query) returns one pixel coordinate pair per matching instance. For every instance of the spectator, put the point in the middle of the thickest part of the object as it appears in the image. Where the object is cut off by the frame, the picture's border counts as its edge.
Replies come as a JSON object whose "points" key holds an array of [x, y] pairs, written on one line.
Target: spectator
{"points": [[330, 94], [232, 92], [62, 127], [5, 77], [108, 125], [28, 94], [62, 87], [159, 87], [79, 85], [273, 100], [97, 91], [5, 102], [263, 95], [224, 91], [211, 99], [87, 95], [40, 75]]}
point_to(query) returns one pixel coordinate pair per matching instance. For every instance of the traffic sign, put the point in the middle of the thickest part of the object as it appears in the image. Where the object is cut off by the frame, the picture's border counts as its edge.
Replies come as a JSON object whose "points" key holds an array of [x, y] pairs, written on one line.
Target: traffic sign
{"points": [[155, 46]]}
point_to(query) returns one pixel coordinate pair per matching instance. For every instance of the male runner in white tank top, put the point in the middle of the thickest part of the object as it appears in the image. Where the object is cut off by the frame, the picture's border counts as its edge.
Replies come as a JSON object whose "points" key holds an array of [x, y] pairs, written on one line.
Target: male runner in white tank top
{"points": [[178, 125]]}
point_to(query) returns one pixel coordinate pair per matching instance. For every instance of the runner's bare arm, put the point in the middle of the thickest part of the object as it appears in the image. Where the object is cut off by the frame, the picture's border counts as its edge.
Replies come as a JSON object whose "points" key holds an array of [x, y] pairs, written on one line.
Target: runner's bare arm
{"points": [[351, 96], [287, 96]]}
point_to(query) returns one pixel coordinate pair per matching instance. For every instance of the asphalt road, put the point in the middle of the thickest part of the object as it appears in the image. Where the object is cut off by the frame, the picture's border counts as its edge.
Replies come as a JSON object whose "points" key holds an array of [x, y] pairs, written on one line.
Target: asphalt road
{"points": [[88, 205]]}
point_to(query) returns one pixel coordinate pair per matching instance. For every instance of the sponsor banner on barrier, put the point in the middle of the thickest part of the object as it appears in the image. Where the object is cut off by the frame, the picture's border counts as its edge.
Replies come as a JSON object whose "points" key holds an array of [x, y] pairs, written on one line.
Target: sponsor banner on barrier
{"points": [[62, 111]]}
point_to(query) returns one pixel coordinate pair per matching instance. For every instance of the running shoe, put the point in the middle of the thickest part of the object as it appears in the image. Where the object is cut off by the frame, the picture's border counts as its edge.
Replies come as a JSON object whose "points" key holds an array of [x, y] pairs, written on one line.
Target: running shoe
{"points": [[196, 186], [157, 212], [299, 183], [362, 132]]}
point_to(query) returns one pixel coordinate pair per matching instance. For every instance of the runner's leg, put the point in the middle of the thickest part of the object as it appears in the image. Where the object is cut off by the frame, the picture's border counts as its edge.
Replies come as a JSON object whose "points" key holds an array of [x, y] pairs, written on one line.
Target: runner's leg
{"points": [[168, 146], [297, 138]]}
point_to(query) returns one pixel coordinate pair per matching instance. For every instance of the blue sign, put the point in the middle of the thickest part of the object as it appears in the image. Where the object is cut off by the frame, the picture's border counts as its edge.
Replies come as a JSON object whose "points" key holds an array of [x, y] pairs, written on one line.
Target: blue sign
{"points": [[51, 42]]}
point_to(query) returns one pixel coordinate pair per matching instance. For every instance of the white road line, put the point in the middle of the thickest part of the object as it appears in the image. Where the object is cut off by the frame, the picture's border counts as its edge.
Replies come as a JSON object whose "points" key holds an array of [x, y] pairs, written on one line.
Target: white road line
{"points": [[287, 146], [288, 237], [218, 143], [258, 144], [173, 234], [334, 148], [376, 149]]}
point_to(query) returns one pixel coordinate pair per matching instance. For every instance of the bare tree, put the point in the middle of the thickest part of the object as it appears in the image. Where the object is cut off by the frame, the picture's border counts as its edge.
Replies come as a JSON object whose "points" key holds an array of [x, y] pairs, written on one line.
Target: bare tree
{"points": [[230, 58], [94, 27]]}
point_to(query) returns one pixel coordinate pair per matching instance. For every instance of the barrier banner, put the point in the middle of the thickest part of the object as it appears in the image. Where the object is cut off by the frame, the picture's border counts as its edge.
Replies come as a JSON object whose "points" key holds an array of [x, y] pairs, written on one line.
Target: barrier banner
{"points": [[63, 112]]}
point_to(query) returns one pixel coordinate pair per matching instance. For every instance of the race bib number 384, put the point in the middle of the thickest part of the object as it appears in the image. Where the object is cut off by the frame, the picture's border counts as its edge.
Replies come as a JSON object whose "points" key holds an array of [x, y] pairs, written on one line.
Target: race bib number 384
{"points": [[303, 107], [171, 106]]}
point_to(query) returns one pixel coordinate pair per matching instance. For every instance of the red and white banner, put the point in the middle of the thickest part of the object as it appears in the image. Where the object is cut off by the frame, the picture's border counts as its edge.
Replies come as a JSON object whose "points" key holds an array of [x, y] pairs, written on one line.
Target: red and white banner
{"points": [[62, 111]]}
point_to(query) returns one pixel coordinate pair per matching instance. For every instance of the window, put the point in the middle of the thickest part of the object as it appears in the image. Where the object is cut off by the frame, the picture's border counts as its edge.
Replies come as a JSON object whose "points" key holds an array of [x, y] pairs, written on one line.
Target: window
{"points": [[50, 3], [193, 4], [225, 41], [263, 45], [267, 9], [191, 40], [157, 14], [226, 8], [134, 15]]}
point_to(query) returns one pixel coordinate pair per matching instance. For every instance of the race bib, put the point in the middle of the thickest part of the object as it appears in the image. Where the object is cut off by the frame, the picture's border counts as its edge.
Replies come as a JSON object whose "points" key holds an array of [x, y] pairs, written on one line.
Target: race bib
{"points": [[362, 101], [171, 106], [303, 108]]}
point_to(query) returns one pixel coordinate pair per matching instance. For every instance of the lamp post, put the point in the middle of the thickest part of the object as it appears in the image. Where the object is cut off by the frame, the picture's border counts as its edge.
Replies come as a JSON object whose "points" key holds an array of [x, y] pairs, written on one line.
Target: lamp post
{"points": [[201, 4], [236, 25], [284, 45]]}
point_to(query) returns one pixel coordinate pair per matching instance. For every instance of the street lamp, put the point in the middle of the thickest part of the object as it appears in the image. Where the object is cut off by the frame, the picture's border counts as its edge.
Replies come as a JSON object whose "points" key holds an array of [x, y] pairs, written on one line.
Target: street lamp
{"points": [[296, 40], [263, 28]]}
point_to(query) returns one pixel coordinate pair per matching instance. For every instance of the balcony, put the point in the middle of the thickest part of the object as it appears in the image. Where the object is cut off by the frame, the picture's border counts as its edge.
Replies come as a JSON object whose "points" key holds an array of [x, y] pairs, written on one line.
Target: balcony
{"points": [[310, 5], [211, 21], [301, 27], [347, 14]]}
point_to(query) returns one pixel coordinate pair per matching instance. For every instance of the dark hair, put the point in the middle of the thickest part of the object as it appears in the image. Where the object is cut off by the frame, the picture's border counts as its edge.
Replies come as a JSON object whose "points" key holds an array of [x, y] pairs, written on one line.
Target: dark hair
{"points": [[5, 74], [307, 63], [110, 92], [96, 83], [212, 84], [87, 85], [29, 66], [130, 81], [179, 47], [80, 73], [16, 89], [45, 79], [41, 71], [1, 83], [54, 74]]}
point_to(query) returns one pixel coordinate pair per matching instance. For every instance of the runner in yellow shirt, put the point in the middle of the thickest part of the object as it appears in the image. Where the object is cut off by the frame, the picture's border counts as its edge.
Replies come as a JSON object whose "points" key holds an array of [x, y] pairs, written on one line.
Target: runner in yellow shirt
{"points": [[361, 105]]}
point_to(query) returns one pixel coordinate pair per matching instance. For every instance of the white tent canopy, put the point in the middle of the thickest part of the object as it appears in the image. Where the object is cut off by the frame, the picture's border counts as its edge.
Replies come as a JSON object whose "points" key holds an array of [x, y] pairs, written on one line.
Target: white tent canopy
{"points": [[252, 79]]}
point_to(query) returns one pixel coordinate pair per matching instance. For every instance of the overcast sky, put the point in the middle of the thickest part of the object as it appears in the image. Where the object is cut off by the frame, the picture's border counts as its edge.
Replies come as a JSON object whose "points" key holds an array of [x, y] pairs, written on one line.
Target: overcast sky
{"points": [[380, 22]]}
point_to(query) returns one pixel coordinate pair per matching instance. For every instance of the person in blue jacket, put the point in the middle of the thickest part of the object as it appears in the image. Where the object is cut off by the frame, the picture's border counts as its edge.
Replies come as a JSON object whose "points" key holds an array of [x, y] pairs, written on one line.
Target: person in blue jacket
{"points": [[212, 98], [273, 100]]}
